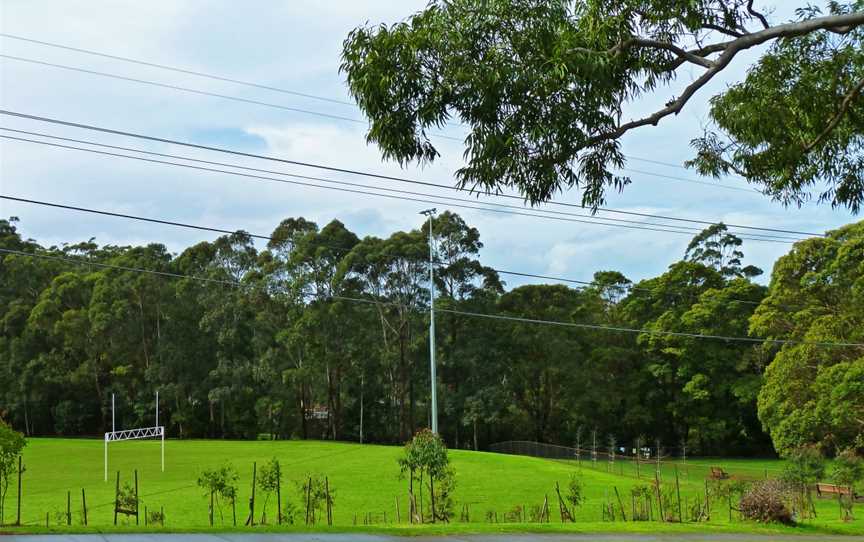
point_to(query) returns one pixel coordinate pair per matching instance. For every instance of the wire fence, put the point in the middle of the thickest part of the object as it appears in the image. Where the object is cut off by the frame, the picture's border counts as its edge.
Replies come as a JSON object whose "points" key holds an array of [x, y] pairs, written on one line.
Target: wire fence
{"points": [[641, 462]]}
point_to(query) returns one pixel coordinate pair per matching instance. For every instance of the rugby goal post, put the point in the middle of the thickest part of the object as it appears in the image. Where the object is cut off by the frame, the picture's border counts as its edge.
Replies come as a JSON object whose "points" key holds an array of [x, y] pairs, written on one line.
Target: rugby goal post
{"points": [[157, 431]]}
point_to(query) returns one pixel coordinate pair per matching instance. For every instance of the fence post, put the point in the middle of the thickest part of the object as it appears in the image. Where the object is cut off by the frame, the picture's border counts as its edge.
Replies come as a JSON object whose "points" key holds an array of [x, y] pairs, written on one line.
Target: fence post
{"points": [[116, 497], [84, 505], [20, 471], [278, 494], [136, 497], [68, 507]]}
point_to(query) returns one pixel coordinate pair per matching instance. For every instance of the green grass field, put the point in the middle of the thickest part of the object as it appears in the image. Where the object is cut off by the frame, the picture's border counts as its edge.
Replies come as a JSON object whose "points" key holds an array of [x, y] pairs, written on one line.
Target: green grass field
{"points": [[364, 478]]}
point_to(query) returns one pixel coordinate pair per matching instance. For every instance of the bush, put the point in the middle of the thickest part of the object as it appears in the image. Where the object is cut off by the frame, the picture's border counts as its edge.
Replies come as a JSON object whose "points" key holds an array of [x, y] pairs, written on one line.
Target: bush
{"points": [[765, 502], [848, 471], [805, 466], [156, 517]]}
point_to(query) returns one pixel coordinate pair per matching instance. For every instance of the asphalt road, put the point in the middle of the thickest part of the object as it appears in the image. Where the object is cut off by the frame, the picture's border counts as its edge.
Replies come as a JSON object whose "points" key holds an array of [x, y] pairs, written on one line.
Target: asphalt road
{"points": [[350, 537]]}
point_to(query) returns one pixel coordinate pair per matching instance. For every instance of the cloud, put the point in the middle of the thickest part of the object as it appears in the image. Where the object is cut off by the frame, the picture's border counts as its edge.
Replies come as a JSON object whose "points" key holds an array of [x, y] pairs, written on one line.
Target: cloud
{"points": [[294, 45]]}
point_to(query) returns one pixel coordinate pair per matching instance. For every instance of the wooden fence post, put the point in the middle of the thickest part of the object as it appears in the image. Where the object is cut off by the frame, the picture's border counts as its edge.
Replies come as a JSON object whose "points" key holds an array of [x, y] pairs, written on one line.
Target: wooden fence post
{"points": [[659, 496], [308, 498], [327, 496], [620, 504], [278, 494], [84, 505], [68, 507], [116, 497], [136, 497], [678, 491], [20, 472], [250, 521]]}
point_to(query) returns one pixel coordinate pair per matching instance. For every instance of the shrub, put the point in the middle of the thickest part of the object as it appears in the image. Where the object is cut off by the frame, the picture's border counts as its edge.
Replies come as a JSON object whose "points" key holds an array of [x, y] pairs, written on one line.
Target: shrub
{"points": [[220, 485], [316, 492], [269, 480], [765, 502], [425, 457], [804, 467], [848, 470], [575, 492], [11, 444], [156, 517]]}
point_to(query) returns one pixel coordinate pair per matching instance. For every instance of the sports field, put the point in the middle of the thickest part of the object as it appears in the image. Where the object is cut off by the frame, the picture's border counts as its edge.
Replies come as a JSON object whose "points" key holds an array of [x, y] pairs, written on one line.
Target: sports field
{"points": [[365, 481]]}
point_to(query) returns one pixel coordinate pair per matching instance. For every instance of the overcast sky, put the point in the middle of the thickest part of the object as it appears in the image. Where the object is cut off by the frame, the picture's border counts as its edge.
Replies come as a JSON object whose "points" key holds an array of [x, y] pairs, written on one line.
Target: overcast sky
{"points": [[295, 45]]}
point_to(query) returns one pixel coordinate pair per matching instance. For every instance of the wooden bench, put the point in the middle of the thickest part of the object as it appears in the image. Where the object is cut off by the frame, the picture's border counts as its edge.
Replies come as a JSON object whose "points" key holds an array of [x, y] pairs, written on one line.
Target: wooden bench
{"points": [[831, 490], [717, 473]]}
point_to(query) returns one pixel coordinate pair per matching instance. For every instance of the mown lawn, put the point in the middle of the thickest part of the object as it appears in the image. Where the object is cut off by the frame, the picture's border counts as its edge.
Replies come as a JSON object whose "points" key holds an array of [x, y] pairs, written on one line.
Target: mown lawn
{"points": [[365, 479]]}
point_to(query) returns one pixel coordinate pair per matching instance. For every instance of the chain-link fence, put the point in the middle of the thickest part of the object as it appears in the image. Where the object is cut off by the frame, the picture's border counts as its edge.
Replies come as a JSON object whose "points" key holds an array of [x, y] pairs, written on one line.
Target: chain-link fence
{"points": [[642, 462]]}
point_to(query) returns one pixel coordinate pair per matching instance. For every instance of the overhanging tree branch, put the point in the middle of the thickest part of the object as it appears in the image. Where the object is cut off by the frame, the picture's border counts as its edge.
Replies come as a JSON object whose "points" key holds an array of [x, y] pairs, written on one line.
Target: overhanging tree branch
{"points": [[729, 50], [835, 120], [758, 15]]}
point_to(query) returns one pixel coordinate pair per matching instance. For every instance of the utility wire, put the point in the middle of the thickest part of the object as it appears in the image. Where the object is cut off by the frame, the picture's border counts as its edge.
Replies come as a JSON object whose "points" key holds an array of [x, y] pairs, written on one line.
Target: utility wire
{"points": [[200, 92], [178, 70], [249, 84], [583, 283], [120, 267], [368, 174], [684, 229], [556, 323], [645, 331], [132, 217], [311, 112], [749, 190], [79, 261], [586, 283], [367, 193]]}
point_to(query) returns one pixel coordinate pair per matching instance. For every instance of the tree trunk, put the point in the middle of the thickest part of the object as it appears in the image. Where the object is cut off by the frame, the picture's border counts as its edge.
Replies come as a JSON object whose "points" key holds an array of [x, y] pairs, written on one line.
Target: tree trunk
{"points": [[475, 434]]}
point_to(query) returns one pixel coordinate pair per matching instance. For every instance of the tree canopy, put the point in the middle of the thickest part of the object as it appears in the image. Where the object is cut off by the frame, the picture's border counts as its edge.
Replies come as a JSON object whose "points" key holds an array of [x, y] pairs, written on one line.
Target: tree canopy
{"points": [[545, 87], [812, 394], [322, 334]]}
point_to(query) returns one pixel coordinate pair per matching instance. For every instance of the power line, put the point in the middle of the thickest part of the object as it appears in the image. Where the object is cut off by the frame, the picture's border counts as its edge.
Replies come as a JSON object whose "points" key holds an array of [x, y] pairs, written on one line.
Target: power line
{"points": [[646, 331], [694, 181], [169, 274], [120, 267], [594, 219], [595, 327], [367, 174], [201, 92], [583, 283], [586, 283], [131, 217], [311, 112], [367, 193], [178, 70], [272, 88]]}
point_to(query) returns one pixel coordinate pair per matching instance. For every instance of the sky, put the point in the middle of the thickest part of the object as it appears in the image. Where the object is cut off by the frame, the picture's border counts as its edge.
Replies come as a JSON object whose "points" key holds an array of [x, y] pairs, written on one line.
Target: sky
{"points": [[296, 45]]}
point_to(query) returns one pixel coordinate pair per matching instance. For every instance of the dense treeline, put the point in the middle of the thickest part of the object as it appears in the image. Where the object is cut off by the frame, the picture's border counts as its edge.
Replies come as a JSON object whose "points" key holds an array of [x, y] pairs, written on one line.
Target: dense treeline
{"points": [[321, 334]]}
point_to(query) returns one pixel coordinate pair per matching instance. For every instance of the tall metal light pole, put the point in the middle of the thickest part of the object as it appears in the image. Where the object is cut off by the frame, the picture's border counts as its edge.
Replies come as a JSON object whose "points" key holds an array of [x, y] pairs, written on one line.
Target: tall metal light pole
{"points": [[430, 213]]}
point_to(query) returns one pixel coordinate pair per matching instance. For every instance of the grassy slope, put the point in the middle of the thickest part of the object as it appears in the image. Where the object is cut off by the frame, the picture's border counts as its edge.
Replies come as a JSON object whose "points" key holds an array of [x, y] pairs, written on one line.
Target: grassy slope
{"points": [[365, 479]]}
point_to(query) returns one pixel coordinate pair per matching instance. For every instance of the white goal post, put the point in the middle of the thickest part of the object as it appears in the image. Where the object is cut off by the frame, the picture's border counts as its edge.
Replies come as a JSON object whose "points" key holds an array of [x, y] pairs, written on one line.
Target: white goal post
{"points": [[157, 431]]}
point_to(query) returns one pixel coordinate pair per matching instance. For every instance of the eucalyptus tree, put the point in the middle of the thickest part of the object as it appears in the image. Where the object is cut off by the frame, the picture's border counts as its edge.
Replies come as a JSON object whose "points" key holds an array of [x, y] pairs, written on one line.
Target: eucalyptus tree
{"points": [[393, 273], [326, 319], [285, 275], [815, 393], [460, 278], [541, 361], [228, 317], [24, 278], [545, 90]]}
